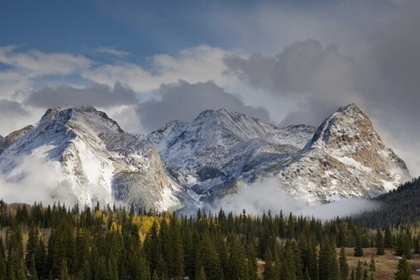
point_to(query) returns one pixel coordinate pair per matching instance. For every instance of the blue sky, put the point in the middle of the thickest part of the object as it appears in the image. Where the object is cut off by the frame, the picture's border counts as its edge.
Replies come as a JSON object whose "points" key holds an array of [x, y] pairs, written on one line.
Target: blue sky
{"points": [[284, 62]]}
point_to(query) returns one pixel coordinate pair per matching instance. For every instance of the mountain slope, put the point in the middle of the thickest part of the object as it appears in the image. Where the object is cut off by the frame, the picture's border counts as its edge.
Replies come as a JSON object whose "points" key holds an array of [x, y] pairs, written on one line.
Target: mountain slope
{"points": [[345, 158], [219, 148], [397, 208], [93, 157]]}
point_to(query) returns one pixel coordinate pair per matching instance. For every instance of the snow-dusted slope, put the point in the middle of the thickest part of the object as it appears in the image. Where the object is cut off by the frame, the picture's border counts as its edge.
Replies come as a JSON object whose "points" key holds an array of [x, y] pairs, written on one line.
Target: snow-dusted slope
{"points": [[219, 148], [345, 158], [93, 157]]}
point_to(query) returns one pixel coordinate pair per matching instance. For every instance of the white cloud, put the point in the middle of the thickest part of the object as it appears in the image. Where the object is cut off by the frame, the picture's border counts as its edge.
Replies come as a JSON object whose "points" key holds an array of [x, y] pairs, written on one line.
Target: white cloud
{"points": [[198, 64], [261, 197], [111, 51], [36, 63]]}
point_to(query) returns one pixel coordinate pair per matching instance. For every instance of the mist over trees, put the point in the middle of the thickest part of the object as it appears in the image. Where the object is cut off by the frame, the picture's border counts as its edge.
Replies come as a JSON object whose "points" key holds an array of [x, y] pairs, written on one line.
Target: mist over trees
{"points": [[56, 241]]}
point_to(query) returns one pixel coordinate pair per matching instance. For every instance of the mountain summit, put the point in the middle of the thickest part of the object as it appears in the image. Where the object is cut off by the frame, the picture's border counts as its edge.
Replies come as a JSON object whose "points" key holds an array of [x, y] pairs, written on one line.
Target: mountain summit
{"points": [[93, 158], [345, 158], [190, 164]]}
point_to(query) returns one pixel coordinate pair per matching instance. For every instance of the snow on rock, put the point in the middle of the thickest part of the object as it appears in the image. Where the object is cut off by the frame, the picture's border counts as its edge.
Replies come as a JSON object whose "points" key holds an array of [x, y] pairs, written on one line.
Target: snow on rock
{"points": [[209, 155], [345, 156], [190, 164], [98, 160]]}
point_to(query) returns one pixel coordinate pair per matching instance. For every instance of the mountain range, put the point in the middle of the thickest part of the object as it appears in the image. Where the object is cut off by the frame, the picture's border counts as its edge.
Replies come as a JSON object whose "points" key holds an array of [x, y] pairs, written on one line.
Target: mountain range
{"points": [[191, 164]]}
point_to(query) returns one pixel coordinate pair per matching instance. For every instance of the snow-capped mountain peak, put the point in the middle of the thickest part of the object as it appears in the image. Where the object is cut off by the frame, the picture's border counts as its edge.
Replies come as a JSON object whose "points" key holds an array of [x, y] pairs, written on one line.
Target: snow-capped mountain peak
{"points": [[345, 158], [94, 159]]}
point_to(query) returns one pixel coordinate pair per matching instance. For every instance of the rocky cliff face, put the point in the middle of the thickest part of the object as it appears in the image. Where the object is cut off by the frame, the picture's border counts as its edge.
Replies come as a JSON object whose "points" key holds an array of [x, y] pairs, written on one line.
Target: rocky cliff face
{"points": [[345, 158], [95, 159], [190, 164], [219, 148]]}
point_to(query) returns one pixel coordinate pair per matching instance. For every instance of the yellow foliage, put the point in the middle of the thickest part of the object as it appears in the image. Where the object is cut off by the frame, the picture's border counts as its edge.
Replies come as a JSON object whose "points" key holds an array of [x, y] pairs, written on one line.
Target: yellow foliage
{"points": [[115, 227]]}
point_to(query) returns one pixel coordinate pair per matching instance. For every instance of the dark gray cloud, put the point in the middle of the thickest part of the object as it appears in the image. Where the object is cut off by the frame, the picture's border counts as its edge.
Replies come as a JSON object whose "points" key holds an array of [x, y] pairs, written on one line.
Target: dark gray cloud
{"points": [[183, 101], [319, 77], [391, 72], [12, 116], [96, 95], [301, 68], [11, 109], [384, 81]]}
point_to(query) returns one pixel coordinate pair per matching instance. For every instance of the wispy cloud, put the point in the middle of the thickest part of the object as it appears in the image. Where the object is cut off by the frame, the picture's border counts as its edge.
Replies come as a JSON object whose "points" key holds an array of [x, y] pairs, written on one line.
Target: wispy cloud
{"points": [[111, 51], [37, 63], [198, 64]]}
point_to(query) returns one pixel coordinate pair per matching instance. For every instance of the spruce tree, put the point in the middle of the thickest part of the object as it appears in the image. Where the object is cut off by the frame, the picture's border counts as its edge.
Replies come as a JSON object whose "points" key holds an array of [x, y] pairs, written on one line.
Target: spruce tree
{"points": [[353, 274], [32, 269], [372, 265], [359, 271], [403, 270], [344, 266], [379, 243], [358, 250], [288, 269], [388, 237], [268, 266], [416, 245], [2, 268], [64, 273], [201, 274], [2, 259], [365, 274]]}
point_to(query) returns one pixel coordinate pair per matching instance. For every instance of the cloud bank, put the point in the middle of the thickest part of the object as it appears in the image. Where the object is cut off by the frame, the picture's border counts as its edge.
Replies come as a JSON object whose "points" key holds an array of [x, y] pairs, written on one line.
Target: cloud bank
{"points": [[184, 102], [261, 197]]}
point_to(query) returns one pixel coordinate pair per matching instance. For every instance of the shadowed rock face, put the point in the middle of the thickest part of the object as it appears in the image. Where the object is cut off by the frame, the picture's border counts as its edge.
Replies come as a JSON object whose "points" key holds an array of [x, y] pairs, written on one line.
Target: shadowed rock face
{"points": [[96, 159]]}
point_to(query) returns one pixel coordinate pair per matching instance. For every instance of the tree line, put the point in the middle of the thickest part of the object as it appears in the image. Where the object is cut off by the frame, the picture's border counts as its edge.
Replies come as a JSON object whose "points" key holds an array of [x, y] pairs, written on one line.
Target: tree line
{"points": [[59, 242]]}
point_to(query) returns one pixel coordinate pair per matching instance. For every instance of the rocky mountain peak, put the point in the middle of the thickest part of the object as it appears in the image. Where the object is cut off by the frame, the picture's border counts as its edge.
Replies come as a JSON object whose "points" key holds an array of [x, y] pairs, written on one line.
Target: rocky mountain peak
{"points": [[345, 158], [348, 128], [74, 116]]}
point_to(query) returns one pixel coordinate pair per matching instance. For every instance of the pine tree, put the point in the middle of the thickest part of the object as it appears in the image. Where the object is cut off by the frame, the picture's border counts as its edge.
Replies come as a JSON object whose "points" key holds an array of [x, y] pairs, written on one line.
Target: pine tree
{"points": [[2, 258], [388, 237], [334, 266], [403, 270], [359, 271], [2, 268], [344, 266], [288, 269], [416, 245], [201, 274], [379, 243], [32, 245], [372, 265], [32, 269], [155, 276], [353, 274], [64, 273], [365, 275], [358, 250], [268, 266], [404, 246]]}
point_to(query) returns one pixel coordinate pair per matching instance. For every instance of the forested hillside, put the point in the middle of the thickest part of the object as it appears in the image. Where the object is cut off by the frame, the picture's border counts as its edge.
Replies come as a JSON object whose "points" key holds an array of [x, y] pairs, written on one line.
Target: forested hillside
{"points": [[398, 207], [56, 242]]}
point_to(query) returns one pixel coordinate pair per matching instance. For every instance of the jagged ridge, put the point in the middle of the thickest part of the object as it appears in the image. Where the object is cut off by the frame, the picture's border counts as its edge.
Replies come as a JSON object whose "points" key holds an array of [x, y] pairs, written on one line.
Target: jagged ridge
{"points": [[94, 158]]}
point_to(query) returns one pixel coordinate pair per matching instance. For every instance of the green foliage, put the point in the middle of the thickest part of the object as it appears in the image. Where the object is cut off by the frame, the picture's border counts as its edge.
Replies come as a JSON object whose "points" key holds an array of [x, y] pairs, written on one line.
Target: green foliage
{"points": [[403, 270], [344, 267], [113, 243]]}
